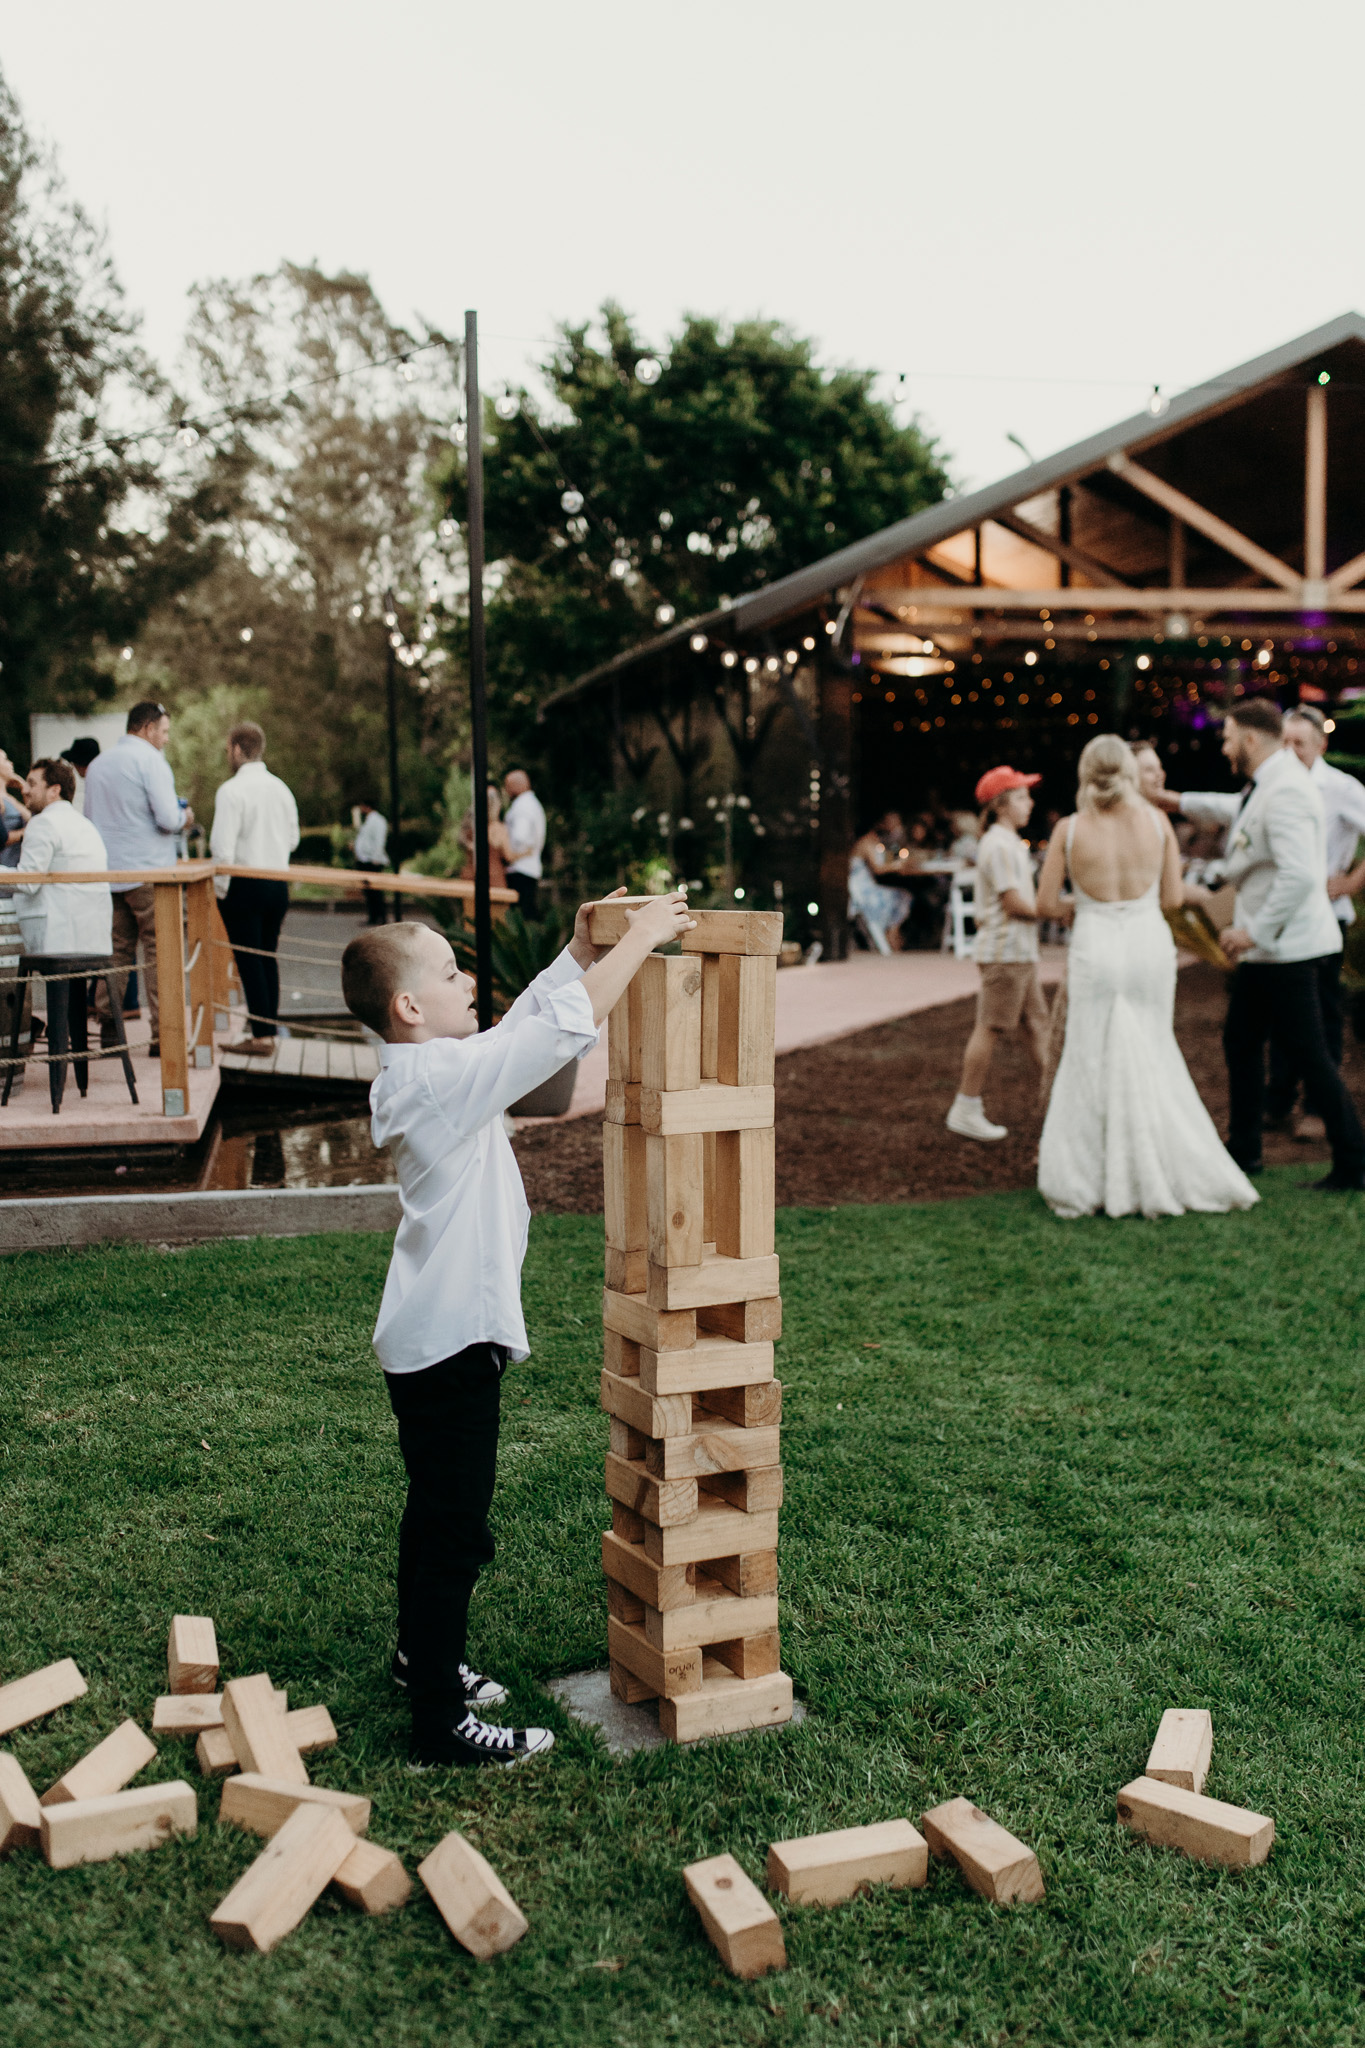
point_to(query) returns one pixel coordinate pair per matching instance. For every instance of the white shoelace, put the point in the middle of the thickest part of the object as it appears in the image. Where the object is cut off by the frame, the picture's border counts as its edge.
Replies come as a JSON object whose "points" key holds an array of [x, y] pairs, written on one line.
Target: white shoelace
{"points": [[485, 1734]]}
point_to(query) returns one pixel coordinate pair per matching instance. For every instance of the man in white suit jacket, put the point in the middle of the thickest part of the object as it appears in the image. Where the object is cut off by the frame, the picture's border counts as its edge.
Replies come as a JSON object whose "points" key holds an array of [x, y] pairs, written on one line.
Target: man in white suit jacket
{"points": [[1283, 927], [61, 917]]}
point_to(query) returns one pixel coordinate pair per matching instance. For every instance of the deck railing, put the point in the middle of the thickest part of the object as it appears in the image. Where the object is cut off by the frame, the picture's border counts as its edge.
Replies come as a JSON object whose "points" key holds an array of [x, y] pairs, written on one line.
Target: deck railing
{"points": [[192, 948]]}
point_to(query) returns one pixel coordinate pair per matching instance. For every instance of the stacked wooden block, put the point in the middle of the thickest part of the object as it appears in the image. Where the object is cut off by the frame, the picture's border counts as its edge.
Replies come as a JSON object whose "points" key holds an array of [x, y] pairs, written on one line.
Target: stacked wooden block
{"points": [[691, 1312]]}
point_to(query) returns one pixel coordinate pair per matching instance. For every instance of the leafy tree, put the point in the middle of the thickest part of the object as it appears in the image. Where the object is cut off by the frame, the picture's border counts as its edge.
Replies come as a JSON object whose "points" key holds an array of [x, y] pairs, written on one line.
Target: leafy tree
{"points": [[102, 513], [651, 487], [339, 412]]}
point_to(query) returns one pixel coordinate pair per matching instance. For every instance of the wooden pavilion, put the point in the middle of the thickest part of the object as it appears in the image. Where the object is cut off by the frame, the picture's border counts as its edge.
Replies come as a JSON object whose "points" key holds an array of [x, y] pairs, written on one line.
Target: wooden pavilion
{"points": [[1138, 581]]}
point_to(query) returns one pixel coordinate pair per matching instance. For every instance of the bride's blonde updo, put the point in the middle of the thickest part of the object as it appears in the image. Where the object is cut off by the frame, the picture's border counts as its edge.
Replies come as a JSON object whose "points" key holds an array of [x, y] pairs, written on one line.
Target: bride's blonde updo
{"points": [[1108, 774]]}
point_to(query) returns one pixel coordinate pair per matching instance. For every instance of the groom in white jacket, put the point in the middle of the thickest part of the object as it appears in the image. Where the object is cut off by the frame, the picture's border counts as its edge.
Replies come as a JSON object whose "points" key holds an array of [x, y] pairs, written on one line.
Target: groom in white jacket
{"points": [[1283, 927]]}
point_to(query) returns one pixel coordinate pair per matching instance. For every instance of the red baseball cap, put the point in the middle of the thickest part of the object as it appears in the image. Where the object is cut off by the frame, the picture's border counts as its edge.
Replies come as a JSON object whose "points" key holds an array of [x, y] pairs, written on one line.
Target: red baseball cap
{"points": [[996, 781]]}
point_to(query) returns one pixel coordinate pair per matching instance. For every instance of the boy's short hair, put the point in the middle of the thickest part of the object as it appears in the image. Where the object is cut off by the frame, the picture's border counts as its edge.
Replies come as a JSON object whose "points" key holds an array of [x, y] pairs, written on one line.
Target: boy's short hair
{"points": [[248, 738], [57, 775], [1258, 714], [377, 966]]}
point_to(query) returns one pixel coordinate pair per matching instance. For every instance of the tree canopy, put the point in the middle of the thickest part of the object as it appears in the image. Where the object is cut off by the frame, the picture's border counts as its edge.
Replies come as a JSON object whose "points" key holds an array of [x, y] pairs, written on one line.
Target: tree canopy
{"points": [[651, 485]]}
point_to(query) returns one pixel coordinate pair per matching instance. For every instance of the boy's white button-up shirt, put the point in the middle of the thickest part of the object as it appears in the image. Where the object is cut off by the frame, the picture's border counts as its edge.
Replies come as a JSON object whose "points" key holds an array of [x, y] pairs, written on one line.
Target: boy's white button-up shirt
{"points": [[455, 1275]]}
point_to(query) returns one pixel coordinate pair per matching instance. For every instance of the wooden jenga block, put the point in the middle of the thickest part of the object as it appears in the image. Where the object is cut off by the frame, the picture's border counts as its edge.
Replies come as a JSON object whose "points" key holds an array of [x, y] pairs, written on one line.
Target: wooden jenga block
{"points": [[706, 1622], [663, 1415], [42, 1692], [310, 1728], [750, 1574], [993, 1862], [1184, 1744], [475, 1905], [625, 1037], [625, 1213], [708, 1106], [755, 1493], [104, 1769], [626, 1272], [632, 1318], [756, 1656], [262, 1806], [20, 1816], [735, 931], [1207, 1829], [285, 1881], [192, 1654], [660, 1586], [256, 1727], [746, 1184], [665, 1502], [214, 1752], [607, 920], [619, 1355], [624, 1606], [824, 1870], [753, 1407], [714, 1281], [708, 1186], [626, 1524], [190, 1713], [673, 1172], [670, 1003], [710, 1016], [726, 1705], [740, 1924], [744, 1322], [665, 1671], [373, 1880], [94, 1830], [710, 1448], [622, 1105], [626, 1687], [747, 1024], [715, 1531], [625, 1442], [709, 1363]]}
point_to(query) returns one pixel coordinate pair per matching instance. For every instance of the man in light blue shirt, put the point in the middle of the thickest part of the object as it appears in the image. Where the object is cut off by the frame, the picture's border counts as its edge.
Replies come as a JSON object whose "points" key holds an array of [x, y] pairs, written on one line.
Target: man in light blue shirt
{"points": [[130, 799]]}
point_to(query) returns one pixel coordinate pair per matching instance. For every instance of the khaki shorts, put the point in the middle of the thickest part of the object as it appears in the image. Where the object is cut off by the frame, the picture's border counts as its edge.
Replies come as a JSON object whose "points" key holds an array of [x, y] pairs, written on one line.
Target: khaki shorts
{"points": [[1011, 994]]}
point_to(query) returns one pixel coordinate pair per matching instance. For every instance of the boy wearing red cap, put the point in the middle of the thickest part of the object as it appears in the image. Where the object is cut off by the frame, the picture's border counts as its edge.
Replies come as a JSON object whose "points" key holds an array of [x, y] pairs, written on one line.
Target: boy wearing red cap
{"points": [[1006, 946]]}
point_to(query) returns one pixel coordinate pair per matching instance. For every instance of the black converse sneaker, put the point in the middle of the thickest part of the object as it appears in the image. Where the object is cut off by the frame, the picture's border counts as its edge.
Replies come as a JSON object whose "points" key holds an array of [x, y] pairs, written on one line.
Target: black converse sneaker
{"points": [[479, 1690], [473, 1741]]}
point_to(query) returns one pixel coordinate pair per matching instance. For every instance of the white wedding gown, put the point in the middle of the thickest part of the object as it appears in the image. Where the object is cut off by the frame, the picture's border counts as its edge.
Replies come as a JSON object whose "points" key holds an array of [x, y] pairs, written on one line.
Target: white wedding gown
{"points": [[1127, 1131]]}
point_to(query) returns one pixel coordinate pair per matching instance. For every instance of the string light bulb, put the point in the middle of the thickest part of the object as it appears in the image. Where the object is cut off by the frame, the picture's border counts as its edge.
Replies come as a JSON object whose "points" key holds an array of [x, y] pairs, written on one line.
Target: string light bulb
{"points": [[648, 370], [508, 406], [246, 636], [665, 521], [619, 568], [664, 615], [390, 618], [187, 436], [729, 658], [572, 501], [357, 611], [1158, 403], [698, 643], [1325, 377], [446, 529], [408, 373], [751, 666]]}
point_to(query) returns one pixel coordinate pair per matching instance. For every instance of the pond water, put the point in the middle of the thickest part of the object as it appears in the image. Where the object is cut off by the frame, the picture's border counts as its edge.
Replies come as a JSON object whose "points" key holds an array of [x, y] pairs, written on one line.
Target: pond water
{"points": [[302, 1145]]}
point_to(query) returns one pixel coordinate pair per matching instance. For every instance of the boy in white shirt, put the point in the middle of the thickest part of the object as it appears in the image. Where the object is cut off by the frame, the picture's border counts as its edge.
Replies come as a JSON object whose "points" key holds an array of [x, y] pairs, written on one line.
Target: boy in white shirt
{"points": [[451, 1319], [1006, 946]]}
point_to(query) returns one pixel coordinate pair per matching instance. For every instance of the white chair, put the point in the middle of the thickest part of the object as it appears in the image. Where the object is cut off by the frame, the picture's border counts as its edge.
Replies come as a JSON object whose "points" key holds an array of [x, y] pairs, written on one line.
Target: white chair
{"points": [[959, 927]]}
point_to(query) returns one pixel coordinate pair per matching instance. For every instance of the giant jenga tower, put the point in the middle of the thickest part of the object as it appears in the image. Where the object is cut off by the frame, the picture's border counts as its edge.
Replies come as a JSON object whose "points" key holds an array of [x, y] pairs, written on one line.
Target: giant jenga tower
{"points": [[691, 1313]]}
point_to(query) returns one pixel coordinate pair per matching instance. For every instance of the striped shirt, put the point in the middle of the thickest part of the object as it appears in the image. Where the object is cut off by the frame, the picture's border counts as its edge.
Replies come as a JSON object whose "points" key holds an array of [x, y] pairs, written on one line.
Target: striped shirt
{"points": [[1003, 863]]}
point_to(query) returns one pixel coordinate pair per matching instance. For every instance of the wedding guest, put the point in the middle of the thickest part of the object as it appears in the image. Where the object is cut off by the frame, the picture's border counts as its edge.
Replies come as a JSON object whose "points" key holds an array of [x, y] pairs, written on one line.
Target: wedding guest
{"points": [[130, 799], [497, 839], [80, 754], [1284, 928], [525, 823], [61, 917], [1305, 734], [371, 855], [255, 825], [882, 909], [13, 814], [1006, 946]]}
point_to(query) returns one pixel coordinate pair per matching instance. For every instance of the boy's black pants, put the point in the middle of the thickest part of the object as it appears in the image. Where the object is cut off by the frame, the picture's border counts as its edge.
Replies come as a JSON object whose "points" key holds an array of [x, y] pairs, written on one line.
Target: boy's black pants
{"points": [[448, 1434]]}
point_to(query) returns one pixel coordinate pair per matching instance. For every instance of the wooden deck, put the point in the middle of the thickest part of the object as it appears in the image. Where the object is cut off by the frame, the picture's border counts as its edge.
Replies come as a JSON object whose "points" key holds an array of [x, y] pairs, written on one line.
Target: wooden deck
{"points": [[341, 1065], [106, 1116]]}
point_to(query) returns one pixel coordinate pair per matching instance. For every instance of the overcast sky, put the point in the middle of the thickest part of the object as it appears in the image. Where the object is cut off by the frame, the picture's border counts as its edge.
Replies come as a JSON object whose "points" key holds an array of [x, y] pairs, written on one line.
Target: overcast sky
{"points": [[1036, 209]]}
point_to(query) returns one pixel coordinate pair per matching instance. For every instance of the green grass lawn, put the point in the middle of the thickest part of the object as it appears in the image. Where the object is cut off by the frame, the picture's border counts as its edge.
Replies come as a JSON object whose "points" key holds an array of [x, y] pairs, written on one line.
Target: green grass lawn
{"points": [[1042, 1481]]}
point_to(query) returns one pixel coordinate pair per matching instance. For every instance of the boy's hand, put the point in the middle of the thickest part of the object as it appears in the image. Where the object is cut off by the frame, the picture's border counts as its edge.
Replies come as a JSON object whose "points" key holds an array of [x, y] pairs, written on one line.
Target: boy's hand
{"points": [[580, 945], [663, 919]]}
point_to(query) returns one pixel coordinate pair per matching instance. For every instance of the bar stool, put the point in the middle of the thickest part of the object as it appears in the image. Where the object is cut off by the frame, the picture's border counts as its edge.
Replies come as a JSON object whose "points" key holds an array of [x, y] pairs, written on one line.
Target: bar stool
{"points": [[66, 1021]]}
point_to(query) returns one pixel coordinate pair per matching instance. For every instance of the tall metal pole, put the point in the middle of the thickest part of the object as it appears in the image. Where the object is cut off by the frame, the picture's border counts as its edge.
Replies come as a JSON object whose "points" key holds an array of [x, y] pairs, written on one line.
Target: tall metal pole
{"points": [[478, 708], [391, 685]]}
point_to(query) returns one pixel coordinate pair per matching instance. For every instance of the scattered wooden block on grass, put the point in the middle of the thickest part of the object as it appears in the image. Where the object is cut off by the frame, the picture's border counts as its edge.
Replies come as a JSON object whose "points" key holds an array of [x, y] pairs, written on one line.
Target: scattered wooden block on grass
{"points": [[192, 1654], [311, 1728], [472, 1900], [190, 1713], [822, 1870], [740, 1924], [106, 1768], [94, 1830], [41, 1692], [1184, 1744], [288, 1876], [256, 1728], [991, 1859], [1207, 1829], [20, 1814], [263, 1805], [372, 1879]]}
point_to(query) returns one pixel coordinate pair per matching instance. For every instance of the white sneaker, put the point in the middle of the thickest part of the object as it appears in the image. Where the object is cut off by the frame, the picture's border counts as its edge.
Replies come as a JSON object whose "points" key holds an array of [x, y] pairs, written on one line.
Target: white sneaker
{"points": [[972, 1122]]}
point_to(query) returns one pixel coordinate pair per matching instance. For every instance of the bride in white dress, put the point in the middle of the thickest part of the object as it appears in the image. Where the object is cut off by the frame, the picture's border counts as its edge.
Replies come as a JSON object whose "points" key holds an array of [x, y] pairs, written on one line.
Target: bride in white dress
{"points": [[1126, 1130]]}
